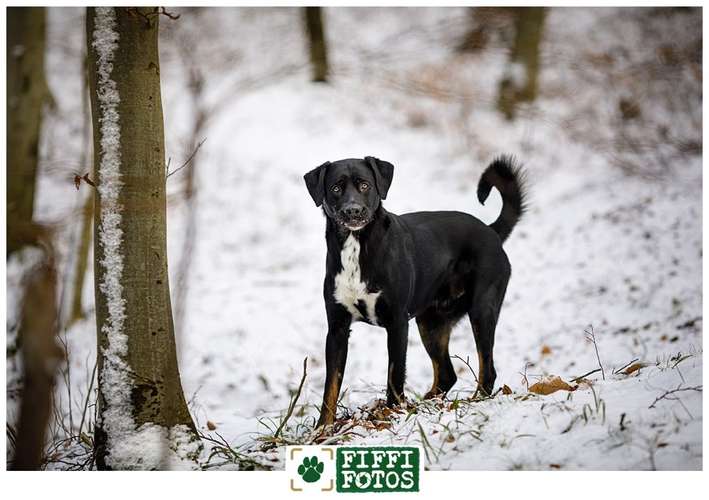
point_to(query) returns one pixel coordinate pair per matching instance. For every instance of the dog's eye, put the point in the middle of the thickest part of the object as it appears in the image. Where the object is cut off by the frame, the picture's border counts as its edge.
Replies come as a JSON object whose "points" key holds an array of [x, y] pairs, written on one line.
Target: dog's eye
{"points": [[363, 186], [336, 189]]}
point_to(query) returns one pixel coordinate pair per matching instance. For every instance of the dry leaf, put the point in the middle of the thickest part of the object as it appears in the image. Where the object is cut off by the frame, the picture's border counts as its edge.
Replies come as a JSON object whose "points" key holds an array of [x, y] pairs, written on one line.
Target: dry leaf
{"points": [[550, 384], [633, 368], [546, 350], [210, 425], [506, 390]]}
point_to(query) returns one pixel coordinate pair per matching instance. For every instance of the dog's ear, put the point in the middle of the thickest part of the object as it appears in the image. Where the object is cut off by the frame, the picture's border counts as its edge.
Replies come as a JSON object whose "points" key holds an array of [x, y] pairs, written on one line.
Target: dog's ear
{"points": [[383, 174], [315, 182]]}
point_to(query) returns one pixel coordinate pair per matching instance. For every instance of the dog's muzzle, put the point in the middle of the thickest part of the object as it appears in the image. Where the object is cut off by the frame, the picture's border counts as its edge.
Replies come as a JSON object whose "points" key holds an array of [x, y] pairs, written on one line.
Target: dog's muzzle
{"points": [[353, 217]]}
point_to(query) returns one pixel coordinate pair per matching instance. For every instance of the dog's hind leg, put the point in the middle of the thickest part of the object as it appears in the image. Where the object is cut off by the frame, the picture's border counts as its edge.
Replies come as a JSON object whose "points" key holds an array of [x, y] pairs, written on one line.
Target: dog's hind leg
{"points": [[435, 333], [483, 318]]}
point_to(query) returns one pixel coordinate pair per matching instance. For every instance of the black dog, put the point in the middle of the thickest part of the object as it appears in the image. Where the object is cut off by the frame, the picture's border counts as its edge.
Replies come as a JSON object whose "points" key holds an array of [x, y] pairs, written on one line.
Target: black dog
{"points": [[386, 269]]}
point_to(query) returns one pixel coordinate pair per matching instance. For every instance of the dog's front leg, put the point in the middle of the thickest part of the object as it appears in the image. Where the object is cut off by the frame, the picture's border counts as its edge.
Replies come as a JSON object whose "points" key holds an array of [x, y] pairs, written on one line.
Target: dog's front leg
{"points": [[335, 359], [397, 338]]}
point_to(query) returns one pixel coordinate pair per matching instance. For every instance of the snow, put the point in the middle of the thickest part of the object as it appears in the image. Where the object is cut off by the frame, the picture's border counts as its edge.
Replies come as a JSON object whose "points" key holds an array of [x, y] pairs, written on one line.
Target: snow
{"points": [[602, 244], [116, 416]]}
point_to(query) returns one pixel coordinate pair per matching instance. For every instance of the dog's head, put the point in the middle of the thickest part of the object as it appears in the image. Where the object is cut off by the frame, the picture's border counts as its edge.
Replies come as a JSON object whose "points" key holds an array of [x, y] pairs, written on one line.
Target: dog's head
{"points": [[351, 190]]}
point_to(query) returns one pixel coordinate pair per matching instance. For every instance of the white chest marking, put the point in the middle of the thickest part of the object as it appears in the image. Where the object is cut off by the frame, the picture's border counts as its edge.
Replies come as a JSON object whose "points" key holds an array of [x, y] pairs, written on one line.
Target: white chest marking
{"points": [[349, 287]]}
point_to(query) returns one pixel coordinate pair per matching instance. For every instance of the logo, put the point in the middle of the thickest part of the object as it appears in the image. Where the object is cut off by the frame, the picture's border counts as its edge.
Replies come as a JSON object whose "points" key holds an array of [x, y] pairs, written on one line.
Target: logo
{"points": [[310, 470], [354, 469]]}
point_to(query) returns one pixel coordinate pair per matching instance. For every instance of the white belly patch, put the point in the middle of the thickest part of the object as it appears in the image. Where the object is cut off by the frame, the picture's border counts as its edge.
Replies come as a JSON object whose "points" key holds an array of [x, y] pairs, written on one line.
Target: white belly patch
{"points": [[349, 287]]}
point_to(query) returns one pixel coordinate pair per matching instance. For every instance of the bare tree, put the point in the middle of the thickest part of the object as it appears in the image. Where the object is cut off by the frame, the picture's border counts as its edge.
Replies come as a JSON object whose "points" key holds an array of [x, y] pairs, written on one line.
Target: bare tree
{"points": [[318, 44], [76, 306], [40, 353], [485, 24], [140, 394], [520, 81], [196, 89], [26, 93]]}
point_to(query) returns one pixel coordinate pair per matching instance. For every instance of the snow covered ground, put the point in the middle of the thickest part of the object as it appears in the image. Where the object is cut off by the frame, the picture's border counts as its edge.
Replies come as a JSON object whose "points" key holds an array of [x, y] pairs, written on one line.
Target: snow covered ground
{"points": [[603, 246]]}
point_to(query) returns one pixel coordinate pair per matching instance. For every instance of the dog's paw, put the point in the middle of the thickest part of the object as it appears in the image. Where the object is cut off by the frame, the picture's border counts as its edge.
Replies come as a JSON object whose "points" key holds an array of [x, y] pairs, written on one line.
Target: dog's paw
{"points": [[434, 394]]}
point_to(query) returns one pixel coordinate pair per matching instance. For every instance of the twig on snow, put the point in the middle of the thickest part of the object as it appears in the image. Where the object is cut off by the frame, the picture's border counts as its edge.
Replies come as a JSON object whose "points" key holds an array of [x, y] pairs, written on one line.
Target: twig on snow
{"points": [[679, 388], [617, 371], [591, 337], [467, 363], [293, 401], [585, 375]]}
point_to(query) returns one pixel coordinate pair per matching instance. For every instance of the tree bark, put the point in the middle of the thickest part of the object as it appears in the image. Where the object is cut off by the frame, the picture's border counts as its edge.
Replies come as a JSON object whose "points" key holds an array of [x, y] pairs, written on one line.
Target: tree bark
{"points": [[26, 93], [149, 360], [520, 84], [318, 44]]}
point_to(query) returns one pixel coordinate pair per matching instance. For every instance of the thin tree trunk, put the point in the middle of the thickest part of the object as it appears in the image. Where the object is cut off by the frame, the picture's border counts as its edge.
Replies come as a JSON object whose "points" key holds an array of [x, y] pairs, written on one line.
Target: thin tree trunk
{"points": [[477, 35], [26, 93], [318, 44], [76, 311], [40, 356], [520, 83], [76, 307], [140, 392], [196, 87]]}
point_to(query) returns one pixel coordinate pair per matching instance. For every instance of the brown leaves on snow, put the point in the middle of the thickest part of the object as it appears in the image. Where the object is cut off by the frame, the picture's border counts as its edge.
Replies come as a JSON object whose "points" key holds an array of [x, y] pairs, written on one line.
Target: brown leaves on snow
{"points": [[633, 368], [549, 385]]}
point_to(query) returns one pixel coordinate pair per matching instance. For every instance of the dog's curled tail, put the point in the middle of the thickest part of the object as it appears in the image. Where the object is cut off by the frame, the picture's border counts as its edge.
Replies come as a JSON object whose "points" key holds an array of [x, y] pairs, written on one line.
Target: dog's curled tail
{"points": [[509, 179]]}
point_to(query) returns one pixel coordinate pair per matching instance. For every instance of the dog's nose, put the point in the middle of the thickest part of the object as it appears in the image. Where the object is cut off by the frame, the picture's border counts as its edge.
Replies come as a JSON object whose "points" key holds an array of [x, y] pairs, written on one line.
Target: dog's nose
{"points": [[354, 211]]}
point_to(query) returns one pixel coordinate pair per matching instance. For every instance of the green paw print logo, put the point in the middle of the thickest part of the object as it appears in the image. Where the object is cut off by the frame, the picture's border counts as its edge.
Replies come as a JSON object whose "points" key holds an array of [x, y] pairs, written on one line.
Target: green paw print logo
{"points": [[310, 469]]}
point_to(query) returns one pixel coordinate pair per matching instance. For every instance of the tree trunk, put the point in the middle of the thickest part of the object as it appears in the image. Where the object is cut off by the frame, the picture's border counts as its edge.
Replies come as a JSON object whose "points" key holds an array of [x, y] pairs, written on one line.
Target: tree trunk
{"points": [[76, 307], [76, 311], [26, 92], [141, 402], [520, 83], [196, 87], [40, 355], [318, 45]]}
